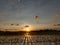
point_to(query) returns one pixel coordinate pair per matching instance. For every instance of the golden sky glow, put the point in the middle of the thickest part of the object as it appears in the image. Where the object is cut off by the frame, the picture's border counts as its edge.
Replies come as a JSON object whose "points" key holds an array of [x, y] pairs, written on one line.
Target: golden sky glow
{"points": [[40, 14], [23, 27], [26, 27]]}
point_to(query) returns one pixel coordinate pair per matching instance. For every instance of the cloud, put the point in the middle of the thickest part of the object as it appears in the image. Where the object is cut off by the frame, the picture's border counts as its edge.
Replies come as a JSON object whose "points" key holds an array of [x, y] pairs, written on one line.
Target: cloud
{"points": [[56, 24], [56, 16]]}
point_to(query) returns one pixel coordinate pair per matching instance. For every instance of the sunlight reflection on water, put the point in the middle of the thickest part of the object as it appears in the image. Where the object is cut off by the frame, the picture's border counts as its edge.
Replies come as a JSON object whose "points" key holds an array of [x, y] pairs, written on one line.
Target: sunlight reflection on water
{"points": [[28, 39]]}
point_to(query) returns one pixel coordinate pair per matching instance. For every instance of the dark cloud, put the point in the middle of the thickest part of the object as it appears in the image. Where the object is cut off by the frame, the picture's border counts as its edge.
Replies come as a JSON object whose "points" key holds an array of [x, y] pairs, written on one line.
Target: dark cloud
{"points": [[17, 24], [56, 24], [12, 24], [26, 26]]}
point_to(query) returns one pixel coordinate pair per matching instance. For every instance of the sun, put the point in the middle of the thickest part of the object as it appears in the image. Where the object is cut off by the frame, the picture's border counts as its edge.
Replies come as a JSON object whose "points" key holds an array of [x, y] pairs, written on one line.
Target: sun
{"points": [[27, 28]]}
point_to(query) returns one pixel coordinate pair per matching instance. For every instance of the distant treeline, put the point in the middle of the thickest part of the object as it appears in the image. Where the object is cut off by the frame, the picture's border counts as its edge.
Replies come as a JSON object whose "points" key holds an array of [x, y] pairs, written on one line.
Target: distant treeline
{"points": [[36, 32], [45, 32]]}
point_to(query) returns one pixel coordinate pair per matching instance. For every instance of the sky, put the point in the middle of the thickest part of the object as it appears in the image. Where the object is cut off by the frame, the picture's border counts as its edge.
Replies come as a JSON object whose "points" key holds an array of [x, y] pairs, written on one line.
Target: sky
{"points": [[23, 12]]}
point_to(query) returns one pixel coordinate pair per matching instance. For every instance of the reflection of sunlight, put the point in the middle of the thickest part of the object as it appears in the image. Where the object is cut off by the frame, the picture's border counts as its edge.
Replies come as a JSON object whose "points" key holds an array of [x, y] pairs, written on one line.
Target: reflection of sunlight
{"points": [[27, 35], [28, 38]]}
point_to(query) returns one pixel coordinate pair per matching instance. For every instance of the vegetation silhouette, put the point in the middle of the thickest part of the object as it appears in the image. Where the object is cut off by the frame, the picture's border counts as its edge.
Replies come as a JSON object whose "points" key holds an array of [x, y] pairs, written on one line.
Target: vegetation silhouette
{"points": [[36, 32]]}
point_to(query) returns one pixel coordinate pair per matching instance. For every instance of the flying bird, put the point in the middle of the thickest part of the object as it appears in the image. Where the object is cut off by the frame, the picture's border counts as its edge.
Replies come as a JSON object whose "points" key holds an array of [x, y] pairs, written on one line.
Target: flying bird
{"points": [[37, 18]]}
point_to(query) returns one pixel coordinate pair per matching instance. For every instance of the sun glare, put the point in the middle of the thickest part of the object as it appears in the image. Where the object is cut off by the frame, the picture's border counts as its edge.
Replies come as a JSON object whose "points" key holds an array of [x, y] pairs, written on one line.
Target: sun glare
{"points": [[27, 28]]}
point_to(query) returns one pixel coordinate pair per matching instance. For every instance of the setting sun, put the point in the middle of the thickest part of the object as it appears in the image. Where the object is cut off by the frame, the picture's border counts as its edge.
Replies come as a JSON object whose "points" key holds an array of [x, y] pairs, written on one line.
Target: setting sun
{"points": [[27, 28]]}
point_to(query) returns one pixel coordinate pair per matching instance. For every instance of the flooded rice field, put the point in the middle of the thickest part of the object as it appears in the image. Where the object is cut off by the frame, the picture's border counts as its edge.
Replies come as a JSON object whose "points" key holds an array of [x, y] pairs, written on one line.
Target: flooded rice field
{"points": [[30, 40]]}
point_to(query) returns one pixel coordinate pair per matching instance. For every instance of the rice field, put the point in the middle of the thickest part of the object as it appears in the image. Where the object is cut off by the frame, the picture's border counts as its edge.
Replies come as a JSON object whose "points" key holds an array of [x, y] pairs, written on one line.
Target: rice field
{"points": [[30, 40]]}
